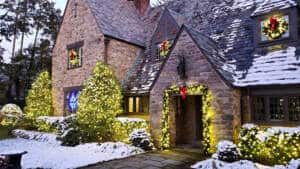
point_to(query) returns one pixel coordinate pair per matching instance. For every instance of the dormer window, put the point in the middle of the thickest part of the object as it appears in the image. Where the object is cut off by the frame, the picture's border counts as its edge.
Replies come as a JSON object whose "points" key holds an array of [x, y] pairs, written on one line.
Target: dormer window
{"points": [[275, 27]]}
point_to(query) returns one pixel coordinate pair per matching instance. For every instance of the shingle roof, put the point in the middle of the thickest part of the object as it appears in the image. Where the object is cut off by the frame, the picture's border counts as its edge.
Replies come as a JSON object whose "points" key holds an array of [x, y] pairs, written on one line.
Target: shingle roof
{"points": [[273, 68], [227, 23], [271, 5], [119, 19]]}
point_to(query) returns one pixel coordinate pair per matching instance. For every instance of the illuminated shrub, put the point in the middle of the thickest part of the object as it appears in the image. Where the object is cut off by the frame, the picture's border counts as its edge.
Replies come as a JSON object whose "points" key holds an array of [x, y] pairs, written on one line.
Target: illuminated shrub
{"points": [[99, 103], [269, 146], [12, 114]]}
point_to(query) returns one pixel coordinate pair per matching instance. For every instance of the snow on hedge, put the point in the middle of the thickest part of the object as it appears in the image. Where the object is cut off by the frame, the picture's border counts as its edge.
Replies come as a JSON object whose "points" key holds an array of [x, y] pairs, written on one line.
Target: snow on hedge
{"points": [[37, 136], [217, 164], [129, 120], [48, 155]]}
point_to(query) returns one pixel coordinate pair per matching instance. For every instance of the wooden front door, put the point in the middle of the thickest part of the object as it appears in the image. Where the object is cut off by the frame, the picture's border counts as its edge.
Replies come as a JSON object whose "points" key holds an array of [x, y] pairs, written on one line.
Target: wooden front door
{"points": [[189, 121]]}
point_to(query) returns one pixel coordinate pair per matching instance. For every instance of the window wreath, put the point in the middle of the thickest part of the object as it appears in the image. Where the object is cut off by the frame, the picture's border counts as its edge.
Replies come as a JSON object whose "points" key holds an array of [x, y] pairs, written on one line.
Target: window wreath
{"points": [[74, 58], [165, 48], [275, 26]]}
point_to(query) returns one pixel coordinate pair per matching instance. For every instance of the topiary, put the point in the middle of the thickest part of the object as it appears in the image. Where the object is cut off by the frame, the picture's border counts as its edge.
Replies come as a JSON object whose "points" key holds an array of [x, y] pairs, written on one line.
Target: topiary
{"points": [[142, 139], [227, 151], [39, 99], [99, 103], [11, 115]]}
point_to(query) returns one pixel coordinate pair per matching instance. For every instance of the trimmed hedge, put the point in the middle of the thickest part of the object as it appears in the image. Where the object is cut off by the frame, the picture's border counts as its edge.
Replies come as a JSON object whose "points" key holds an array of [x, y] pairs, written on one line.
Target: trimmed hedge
{"points": [[269, 146]]}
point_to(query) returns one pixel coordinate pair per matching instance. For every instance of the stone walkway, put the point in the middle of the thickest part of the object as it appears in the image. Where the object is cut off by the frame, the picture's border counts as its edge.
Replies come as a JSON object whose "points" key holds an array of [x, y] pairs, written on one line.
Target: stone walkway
{"points": [[175, 159]]}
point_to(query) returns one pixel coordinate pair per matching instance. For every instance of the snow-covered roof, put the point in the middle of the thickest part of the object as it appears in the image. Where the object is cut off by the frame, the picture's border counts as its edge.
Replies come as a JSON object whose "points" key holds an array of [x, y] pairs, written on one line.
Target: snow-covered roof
{"points": [[271, 5], [277, 67]]}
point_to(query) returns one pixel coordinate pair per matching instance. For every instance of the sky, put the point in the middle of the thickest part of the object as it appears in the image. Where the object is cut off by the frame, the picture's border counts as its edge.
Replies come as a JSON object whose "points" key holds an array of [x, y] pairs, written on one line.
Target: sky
{"points": [[8, 45]]}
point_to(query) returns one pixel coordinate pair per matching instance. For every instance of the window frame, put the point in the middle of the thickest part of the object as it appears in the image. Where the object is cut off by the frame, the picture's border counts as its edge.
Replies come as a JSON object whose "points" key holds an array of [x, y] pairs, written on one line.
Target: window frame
{"points": [[66, 100], [260, 32], [141, 106], [267, 120], [75, 46]]}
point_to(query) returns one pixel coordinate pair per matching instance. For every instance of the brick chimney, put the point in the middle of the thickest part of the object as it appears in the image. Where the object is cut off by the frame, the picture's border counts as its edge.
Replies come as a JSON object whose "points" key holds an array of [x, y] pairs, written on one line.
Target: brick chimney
{"points": [[141, 5]]}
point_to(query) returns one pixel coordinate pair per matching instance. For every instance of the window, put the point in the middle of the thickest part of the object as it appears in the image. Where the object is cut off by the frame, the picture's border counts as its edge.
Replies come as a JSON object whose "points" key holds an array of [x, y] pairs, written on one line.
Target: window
{"points": [[294, 108], [275, 27], [276, 108], [74, 9], [75, 58], [134, 105], [71, 100]]}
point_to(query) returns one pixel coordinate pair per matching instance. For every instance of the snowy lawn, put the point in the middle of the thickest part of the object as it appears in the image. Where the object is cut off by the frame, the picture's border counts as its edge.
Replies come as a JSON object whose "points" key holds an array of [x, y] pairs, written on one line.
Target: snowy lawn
{"points": [[44, 152]]}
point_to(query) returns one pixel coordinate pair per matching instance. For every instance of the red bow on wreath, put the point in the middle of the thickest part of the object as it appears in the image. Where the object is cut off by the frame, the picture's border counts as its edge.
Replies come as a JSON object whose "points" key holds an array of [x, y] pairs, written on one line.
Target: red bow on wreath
{"points": [[273, 22], [183, 92], [73, 54]]}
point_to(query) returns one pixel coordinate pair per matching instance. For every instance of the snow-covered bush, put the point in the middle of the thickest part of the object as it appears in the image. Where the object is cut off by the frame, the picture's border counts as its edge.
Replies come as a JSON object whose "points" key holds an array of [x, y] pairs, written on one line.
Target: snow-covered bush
{"points": [[227, 151], [277, 145], [128, 125], [12, 114], [142, 139], [37, 136], [217, 164]]}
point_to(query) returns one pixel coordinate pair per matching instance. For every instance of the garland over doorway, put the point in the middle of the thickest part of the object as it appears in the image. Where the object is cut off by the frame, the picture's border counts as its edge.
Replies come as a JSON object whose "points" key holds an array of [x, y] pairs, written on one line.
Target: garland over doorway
{"points": [[208, 113]]}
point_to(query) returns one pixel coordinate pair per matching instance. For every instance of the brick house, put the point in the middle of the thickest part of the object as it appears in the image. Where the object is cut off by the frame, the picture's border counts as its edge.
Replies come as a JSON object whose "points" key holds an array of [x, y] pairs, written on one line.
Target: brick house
{"points": [[245, 53]]}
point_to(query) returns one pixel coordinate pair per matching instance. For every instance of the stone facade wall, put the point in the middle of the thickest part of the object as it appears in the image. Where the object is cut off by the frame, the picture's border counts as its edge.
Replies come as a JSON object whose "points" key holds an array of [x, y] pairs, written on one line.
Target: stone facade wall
{"points": [[226, 101], [84, 27], [121, 57]]}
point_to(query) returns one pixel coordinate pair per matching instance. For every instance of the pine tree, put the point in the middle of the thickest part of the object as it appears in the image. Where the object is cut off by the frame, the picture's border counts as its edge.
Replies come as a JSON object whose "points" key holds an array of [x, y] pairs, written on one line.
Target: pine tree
{"points": [[39, 99], [99, 104]]}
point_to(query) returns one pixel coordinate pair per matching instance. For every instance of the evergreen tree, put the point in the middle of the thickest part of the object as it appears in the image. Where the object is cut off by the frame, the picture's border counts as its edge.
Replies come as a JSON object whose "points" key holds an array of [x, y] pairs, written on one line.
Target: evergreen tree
{"points": [[99, 104], [39, 99]]}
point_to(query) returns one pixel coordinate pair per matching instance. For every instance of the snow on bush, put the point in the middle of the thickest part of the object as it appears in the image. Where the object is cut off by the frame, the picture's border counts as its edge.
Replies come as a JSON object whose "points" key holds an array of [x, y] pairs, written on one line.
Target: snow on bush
{"points": [[227, 151], [131, 124], [37, 136], [276, 145], [217, 164], [12, 113], [141, 138]]}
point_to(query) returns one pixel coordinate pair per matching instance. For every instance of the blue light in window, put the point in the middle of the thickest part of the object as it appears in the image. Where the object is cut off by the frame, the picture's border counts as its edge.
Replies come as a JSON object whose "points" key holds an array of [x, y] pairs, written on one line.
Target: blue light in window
{"points": [[73, 101]]}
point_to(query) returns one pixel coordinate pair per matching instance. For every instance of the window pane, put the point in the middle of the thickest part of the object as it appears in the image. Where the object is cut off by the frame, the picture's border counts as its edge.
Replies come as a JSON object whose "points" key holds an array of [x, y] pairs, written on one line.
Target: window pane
{"points": [[137, 104], [130, 105], [294, 108], [276, 108], [259, 109]]}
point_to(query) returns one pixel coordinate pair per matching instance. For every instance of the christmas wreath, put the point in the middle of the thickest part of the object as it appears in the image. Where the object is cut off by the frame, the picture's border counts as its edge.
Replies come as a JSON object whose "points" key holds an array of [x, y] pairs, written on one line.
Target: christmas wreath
{"points": [[74, 58], [275, 27], [165, 48]]}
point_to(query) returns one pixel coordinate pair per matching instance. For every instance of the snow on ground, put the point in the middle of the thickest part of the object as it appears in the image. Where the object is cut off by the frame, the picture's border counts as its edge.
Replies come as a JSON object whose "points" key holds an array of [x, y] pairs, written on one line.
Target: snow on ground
{"points": [[45, 153]]}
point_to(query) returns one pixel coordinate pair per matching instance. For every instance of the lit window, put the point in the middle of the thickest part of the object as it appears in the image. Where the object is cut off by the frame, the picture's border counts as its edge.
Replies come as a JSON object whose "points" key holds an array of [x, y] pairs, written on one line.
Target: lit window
{"points": [[74, 58], [134, 105], [71, 100]]}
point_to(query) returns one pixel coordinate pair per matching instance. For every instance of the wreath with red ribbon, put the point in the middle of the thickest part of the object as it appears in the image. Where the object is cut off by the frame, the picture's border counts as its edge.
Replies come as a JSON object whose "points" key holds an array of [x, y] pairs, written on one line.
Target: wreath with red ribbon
{"points": [[165, 48], [74, 58], [275, 27]]}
